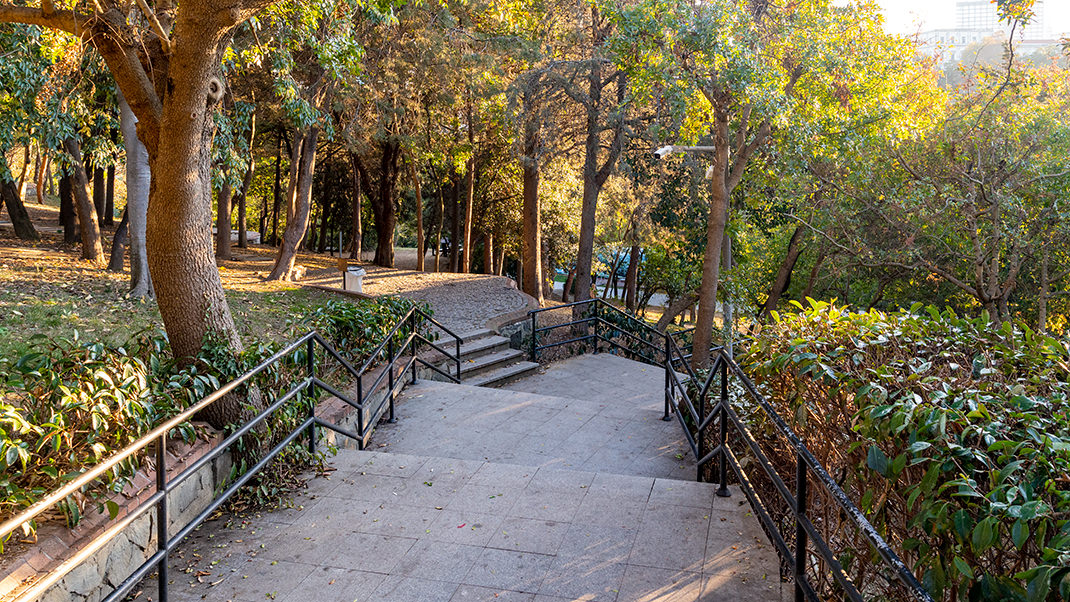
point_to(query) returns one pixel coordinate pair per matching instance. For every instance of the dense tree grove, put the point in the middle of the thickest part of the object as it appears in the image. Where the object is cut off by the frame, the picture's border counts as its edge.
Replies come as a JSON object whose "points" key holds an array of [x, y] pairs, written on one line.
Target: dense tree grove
{"points": [[515, 138]]}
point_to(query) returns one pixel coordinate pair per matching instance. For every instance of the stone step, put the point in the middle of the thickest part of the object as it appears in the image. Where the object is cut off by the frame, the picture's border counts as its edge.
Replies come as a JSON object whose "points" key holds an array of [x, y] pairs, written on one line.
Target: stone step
{"points": [[502, 375], [472, 367], [473, 348], [472, 335]]}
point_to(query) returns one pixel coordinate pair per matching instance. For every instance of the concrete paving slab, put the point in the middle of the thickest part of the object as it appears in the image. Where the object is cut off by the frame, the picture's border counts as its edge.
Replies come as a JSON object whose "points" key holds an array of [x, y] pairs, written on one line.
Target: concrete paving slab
{"points": [[512, 510]]}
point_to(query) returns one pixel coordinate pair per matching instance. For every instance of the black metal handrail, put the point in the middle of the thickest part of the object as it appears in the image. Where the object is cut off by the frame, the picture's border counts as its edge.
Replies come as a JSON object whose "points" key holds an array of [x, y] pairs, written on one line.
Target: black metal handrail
{"points": [[697, 418], [808, 470], [158, 436]]}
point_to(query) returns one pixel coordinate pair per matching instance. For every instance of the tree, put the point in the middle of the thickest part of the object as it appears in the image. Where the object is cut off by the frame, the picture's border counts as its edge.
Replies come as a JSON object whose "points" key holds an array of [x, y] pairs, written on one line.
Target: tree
{"points": [[167, 65], [731, 70]]}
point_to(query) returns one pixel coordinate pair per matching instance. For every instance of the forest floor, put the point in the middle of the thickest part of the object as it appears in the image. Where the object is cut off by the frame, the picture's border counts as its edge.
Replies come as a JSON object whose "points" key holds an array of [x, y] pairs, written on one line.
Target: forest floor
{"points": [[47, 290]]}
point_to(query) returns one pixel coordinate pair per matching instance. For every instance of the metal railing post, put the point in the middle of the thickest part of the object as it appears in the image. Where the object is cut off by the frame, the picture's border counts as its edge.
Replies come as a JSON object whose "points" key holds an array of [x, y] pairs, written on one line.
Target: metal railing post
{"points": [[311, 361], [801, 540], [161, 515], [595, 305], [414, 344], [699, 434], [723, 491], [390, 377], [457, 342], [668, 379], [534, 343]]}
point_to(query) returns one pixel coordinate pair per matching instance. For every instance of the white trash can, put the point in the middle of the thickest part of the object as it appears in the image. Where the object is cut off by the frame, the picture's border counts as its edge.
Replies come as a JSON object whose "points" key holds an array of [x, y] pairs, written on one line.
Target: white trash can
{"points": [[352, 279]]}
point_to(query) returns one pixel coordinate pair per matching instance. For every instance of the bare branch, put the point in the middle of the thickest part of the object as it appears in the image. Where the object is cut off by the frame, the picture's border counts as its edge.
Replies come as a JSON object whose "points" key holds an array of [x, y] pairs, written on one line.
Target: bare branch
{"points": [[160, 33]]}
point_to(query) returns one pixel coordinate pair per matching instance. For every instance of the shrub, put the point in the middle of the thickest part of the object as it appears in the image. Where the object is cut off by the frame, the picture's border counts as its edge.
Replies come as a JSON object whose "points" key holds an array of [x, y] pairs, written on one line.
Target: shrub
{"points": [[68, 404], [950, 433]]}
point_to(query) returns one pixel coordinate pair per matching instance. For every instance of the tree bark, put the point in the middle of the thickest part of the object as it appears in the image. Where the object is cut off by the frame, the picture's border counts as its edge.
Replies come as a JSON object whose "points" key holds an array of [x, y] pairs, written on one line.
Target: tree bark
{"points": [[716, 221], [355, 246], [109, 197], [532, 233], [783, 275], [118, 244], [276, 206], [67, 216], [100, 194], [438, 229], [20, 218], [247, 182], [383, 202], [222, 221], [297, 225], [570, 281], [455, 223], [21, 187], [46, 167], [87, 222], [677, 307], [420, 249], [488, 253], [138, 183], [465, 263], [631, 279]]}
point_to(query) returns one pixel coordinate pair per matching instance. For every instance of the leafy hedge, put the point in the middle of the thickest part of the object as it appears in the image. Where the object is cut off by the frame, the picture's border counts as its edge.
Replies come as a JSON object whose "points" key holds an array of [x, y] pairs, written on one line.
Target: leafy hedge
{"points": [[68, 404], [952, 435]]}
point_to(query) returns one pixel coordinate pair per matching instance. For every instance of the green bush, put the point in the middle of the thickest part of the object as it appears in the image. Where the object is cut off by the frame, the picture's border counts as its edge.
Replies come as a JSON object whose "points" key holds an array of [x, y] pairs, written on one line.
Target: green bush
{"points": [[951, 433], [68, 404]]}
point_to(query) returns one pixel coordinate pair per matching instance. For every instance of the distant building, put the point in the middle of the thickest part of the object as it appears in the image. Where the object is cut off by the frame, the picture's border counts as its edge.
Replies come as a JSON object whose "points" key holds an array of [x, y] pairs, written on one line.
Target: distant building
{"points": [[976, 21]]}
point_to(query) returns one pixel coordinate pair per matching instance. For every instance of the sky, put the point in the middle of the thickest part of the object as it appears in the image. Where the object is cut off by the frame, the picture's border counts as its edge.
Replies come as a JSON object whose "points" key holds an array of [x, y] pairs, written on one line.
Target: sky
{"points": [[905, 16]]}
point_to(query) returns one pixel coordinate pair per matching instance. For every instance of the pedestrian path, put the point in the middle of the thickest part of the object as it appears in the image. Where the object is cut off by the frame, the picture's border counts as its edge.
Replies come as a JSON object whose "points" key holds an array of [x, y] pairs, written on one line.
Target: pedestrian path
{"points": [[503, 495]]}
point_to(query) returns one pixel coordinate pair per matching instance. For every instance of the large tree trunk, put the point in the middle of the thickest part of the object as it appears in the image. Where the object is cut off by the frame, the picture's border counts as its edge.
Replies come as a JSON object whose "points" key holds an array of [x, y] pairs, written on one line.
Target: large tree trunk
{"points": [[465, 264], [488, 253], [594, 176], [16, 210], [100, 194], [383, 203], [46, 168], [67, 216], [87, 223], [631, 279], [455, 223], [276, 205], [21, 186], [355, 246], [247, 181], [138, 182], [222, 221], [420, 248], [109, 197], [118, 244], [711, 261], [438, 226], [783, 275], [532, 233], [179, 234], [297, 225]]}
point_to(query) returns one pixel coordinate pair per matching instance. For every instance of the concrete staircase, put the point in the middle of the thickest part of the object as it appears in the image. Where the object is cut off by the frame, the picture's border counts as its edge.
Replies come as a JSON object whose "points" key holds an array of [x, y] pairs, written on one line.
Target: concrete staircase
{"points": [[488, 361]]}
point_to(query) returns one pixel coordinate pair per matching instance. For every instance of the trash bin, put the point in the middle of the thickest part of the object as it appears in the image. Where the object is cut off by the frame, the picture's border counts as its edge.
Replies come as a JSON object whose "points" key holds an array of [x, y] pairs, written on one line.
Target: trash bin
{"points": [[352, 279]]}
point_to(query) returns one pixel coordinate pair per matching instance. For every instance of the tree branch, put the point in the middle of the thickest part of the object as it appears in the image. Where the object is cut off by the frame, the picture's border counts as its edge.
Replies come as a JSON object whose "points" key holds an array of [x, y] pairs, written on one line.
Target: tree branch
{"points": [[160, 33], [64, 20]]}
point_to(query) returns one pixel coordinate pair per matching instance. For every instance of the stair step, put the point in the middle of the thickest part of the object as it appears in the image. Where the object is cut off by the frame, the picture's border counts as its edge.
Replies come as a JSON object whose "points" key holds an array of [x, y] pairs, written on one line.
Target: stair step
{"points": [[502, 375], [472, 335], [470, 367], [483, 346]]}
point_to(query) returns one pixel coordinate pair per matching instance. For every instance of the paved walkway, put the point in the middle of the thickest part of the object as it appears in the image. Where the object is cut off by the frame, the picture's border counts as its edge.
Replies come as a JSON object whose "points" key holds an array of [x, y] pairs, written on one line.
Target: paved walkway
{"points": [[505, 519]]}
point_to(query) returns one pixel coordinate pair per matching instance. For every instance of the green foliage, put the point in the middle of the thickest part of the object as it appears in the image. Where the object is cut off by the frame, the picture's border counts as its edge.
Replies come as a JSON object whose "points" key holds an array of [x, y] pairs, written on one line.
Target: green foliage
{"points": [[952, 435], [68, 404]]}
